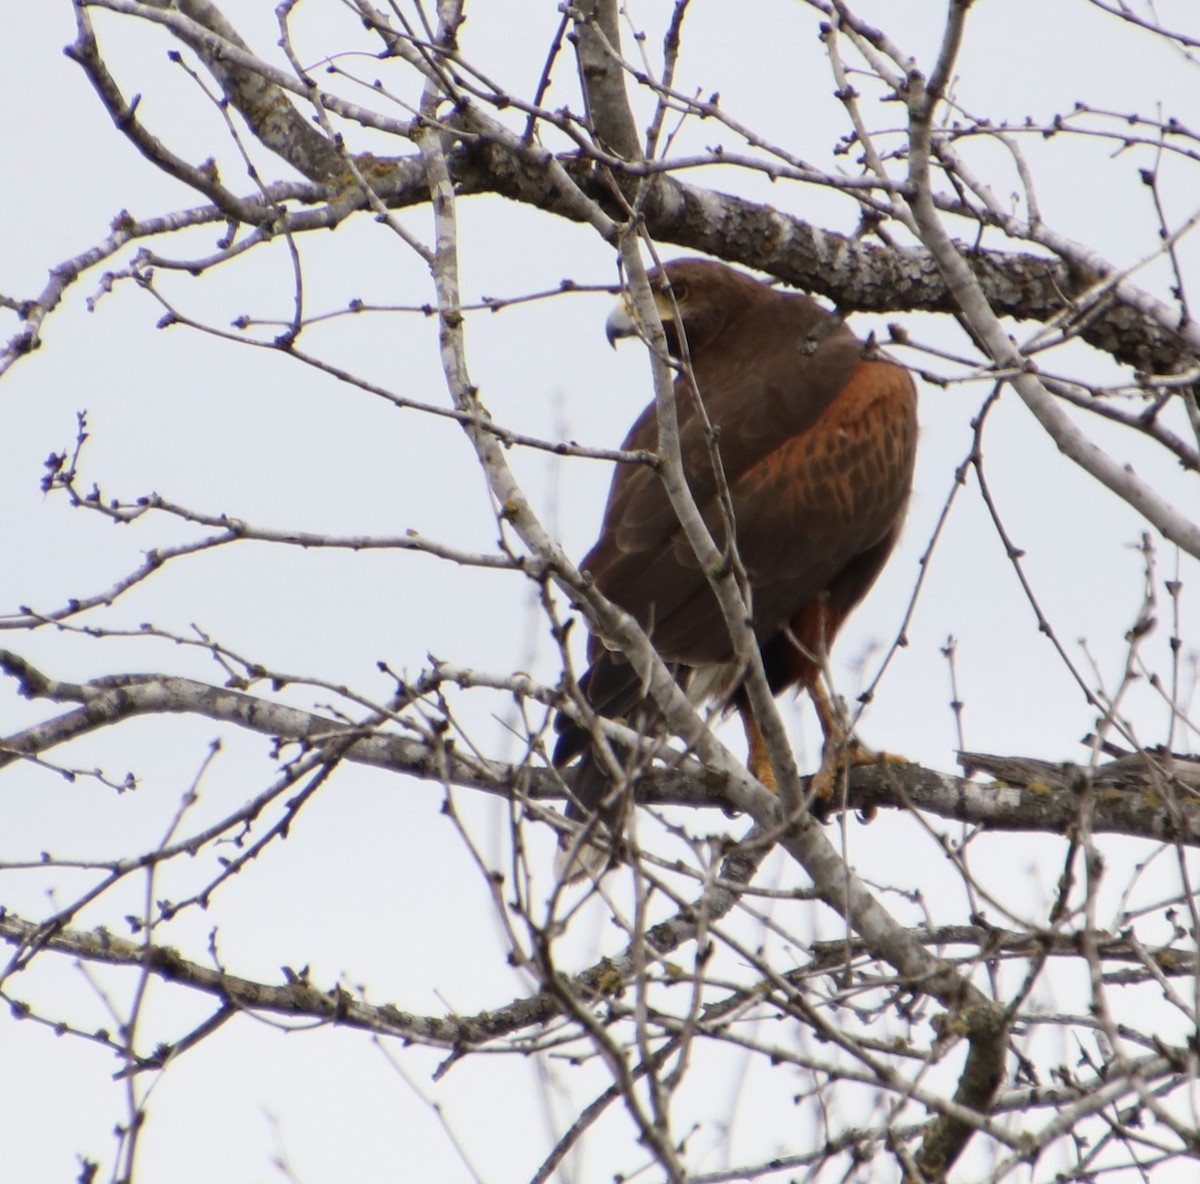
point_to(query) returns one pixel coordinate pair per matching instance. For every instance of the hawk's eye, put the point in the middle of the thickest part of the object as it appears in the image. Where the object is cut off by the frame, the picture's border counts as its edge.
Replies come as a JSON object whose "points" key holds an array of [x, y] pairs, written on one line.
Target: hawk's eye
{"points": [[680, 291]]}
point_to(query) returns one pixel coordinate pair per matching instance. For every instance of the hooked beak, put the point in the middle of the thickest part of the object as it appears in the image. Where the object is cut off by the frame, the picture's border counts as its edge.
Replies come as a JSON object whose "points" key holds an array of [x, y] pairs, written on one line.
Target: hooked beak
{"points": [[619, 323]]}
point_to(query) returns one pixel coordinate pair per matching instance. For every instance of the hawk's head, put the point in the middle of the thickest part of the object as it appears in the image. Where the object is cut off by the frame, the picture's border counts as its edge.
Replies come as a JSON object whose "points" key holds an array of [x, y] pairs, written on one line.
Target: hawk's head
{"points": [[699, 294]]}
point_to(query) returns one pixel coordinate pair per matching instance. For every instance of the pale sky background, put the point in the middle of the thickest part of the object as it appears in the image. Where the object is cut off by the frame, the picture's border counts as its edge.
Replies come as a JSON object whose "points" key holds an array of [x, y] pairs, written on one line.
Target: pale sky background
{"points": [[373, 887]]}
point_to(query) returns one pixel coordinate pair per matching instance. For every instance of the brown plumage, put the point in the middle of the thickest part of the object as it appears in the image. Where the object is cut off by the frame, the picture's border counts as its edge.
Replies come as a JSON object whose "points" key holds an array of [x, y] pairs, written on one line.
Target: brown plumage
{"points": [[817, 443]]}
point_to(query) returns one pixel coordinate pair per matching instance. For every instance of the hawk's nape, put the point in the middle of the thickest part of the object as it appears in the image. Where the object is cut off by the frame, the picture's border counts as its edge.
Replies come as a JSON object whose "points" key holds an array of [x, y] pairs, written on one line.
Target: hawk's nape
{"points": [[816, 438]]}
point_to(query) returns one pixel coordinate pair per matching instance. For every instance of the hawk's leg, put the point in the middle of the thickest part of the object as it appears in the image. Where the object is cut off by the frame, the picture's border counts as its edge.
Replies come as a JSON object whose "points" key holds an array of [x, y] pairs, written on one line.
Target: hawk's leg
{"points": [[840, 746], [758, 760], [842, 751]]}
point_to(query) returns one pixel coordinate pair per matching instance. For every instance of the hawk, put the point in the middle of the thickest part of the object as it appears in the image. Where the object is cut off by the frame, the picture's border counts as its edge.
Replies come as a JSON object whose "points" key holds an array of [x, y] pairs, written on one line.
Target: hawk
{"points": [[816, 439]]}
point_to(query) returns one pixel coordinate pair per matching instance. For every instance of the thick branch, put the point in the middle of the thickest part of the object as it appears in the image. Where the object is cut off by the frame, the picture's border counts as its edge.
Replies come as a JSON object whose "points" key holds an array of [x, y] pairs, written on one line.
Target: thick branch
{"points": [[598, 47], [853, 273], [251, 86], [301, 998], [1134, 805], [298, 998]]}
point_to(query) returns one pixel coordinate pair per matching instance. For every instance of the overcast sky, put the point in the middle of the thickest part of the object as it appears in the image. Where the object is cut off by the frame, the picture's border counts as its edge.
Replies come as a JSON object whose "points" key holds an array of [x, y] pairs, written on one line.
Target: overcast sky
{"points": [[374, 886]]}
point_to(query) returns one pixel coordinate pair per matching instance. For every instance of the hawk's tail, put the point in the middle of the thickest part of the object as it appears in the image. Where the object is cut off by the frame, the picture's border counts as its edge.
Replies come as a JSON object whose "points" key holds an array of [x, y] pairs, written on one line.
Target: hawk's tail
{"points": [[612, 688]]}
